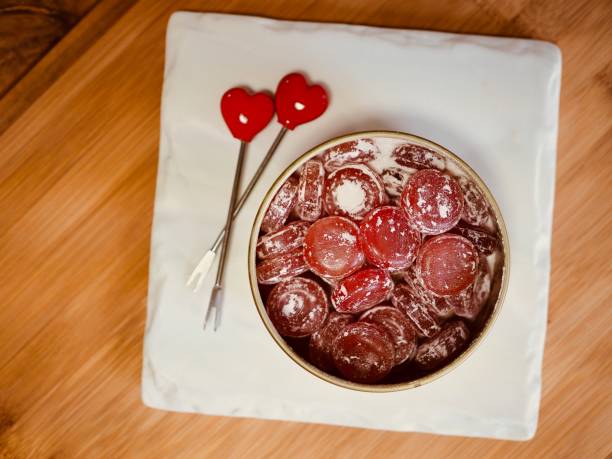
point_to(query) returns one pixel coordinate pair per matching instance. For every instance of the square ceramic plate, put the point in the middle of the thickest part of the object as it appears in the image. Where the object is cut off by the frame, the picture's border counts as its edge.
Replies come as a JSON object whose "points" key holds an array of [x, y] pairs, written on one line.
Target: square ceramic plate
{"points": [[493, 101]]}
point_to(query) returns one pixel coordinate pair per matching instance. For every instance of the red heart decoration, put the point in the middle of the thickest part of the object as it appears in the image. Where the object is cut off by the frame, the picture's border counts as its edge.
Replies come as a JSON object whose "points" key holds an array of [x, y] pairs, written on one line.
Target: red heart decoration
{"points": [[297, 102], [246, 115]]}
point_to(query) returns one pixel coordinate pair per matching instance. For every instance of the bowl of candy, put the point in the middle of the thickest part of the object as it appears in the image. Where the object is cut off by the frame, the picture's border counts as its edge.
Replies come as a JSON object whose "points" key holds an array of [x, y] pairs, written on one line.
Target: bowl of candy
{"points": [[378, 261]]}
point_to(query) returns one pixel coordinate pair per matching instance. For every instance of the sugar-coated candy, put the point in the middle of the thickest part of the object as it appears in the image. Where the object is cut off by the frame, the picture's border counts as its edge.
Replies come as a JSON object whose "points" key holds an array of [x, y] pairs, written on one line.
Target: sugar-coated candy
{"points": [[321, 342], [436, 306], [363, 352], [387, 238], [286, 239], [447, 264], [485, 242], [432, 201], [355, 151], [309, 203], [280, 207], [470, 302], [332, 248], [362, 290], [297, 307], [395, 179], [417, 157], [399, 328], [353, 190], [420, 314], [475, 209], [434, 352], [281, 267]]}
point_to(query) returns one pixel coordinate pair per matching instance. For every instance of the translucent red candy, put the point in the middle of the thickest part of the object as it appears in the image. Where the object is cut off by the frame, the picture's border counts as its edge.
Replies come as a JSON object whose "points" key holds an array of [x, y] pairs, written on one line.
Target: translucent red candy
{"points": [[309, 203], [363, 352], [395, 180], [286, 239], [469, 303], [355, 151], [475, 209], [281, 267], [419, 313], [432, 201], [398, 327], [485, 242], [436, 351], [362, 290], [387, 238], [280, 207], [416, 157], [321, 342], [297, 307], [353, 190], [436, 306], [332, 248], [447, 264]]}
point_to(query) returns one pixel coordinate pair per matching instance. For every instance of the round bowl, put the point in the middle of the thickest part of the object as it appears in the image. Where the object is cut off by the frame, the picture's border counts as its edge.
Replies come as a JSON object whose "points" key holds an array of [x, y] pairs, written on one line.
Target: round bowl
{"points": [[487, 316]]}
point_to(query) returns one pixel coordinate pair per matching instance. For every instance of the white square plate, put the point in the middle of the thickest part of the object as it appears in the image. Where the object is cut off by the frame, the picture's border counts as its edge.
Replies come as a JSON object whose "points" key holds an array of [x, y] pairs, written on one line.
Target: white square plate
{"points": [[493, 101]]}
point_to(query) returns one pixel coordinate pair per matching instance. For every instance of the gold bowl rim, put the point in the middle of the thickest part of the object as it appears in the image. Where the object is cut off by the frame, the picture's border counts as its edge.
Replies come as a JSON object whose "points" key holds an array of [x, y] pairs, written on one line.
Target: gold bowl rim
{"points": [[251, 259]]}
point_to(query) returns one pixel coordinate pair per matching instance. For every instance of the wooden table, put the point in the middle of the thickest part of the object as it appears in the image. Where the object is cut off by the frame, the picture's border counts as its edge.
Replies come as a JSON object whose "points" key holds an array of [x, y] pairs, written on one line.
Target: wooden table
{"points": [[78, 151]]}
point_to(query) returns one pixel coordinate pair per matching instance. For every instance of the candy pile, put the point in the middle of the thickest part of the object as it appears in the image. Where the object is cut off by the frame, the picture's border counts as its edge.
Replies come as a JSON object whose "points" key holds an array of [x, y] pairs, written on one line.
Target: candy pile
{"points": [[378, 254]]}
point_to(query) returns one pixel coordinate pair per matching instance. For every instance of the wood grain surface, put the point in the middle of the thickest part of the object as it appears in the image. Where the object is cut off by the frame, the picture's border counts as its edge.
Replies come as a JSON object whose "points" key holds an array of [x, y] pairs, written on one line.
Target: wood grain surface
{"points": [[78, 151]]}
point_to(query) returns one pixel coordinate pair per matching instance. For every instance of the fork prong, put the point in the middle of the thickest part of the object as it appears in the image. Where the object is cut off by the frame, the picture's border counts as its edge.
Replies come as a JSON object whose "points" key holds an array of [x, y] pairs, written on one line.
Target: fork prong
{"points": [[213, 303]]}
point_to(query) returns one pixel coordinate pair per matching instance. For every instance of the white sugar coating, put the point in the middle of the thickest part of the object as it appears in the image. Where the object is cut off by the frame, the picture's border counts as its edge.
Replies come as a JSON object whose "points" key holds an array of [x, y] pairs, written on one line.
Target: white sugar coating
{"points": [[444, 210], [383, 160], [365, 146], [293, 304], [348, 238], [350, 196]]}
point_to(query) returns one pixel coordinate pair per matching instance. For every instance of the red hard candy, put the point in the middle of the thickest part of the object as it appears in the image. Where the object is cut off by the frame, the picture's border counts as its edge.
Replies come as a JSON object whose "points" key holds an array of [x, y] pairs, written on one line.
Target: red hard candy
{"points": [[436, 306], [355, 151], [321, 342], [416, 157], [280, 207], [399, 328], [447, 264], [485, 242], [387, 238], [436, 351], [363, 352], [332, 248], [420, 314], [309, 203], [285, 240], [362, 290], [353, 190], [432, 201], [469, 303], [475, 209], [395, 180], [281, 267], [297, 307]]}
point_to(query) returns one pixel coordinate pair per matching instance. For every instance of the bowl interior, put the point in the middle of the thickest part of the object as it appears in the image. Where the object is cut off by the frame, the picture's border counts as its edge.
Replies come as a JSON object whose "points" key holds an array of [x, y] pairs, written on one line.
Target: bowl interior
{"points": [[404, 376]]}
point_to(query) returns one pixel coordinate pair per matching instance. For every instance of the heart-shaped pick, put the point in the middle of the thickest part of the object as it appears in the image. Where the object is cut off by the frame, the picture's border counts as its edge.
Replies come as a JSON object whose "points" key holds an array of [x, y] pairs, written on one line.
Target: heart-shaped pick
{"points": [[297, 102], [246, 114]]}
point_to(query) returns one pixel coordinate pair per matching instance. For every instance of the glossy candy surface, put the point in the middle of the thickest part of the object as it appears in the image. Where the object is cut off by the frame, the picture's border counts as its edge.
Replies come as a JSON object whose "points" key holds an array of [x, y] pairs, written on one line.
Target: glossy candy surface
{"points": [[332, 248], [387, 238], [447, 264], [398, 327], [363, 352], [432, 201], [362, 290]]}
